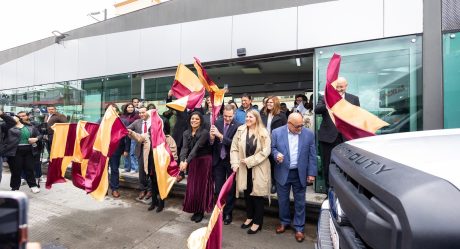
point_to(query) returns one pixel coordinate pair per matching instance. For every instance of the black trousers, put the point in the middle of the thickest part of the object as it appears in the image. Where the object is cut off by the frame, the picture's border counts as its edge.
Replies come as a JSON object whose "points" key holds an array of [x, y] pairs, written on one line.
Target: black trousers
{"points": [[254, 204], [23, 161], [156, 199], [220, 172], [325, 150]]}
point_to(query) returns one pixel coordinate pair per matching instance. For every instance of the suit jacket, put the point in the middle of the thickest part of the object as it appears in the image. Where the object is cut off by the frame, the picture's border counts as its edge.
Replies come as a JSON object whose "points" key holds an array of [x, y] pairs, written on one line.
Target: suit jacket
{"points": [[226, 142], [327, 131], [306, 160], [136, 126], [55, 118]]}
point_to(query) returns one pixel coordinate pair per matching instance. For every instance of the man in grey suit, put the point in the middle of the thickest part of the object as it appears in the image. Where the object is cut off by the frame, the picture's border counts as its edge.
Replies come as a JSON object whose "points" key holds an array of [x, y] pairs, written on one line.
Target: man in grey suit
{"points": [[142, 126], [294, 150], [328, 135]]}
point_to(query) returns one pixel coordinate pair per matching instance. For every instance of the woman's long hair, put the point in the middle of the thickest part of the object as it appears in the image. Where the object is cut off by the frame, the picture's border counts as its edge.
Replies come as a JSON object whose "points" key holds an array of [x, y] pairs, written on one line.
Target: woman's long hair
{"points": [[276, 106], [260, 129], [189, 126]]}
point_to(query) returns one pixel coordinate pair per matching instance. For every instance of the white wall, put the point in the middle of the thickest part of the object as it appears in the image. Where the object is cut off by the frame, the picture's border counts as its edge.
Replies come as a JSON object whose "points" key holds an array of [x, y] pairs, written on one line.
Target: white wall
{"points": [[290, 29]]}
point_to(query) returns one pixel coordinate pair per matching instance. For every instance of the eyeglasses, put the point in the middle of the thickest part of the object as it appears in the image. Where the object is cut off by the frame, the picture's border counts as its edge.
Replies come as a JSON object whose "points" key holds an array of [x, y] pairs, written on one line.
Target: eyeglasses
{"points": [[296, 126]]}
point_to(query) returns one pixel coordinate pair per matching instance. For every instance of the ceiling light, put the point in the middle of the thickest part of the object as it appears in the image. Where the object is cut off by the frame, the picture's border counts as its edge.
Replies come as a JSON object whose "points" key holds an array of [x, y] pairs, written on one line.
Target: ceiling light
{"points": [[297, 61], [251, 70]]}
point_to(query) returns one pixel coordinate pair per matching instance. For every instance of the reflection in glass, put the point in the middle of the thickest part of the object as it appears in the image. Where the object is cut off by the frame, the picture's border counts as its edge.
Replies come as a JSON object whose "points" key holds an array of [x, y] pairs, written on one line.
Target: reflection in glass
{"points": [[451, 45]]}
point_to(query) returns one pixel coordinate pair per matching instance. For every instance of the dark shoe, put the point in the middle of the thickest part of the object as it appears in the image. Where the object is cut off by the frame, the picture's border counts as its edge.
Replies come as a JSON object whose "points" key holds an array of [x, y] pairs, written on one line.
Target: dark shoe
{"points": [[199, 217], [227, 219], [281, 228], [273, 189], [244, 226], [193, 218], [250, 231], [142, 195], [152, 206], [299, 236], [161, 206], [148, 195], [115, 194]]}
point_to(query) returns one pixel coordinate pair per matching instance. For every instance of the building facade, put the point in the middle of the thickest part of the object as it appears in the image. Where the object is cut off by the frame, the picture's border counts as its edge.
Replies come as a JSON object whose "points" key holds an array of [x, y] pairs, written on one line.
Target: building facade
{"points": [[400, 57]]}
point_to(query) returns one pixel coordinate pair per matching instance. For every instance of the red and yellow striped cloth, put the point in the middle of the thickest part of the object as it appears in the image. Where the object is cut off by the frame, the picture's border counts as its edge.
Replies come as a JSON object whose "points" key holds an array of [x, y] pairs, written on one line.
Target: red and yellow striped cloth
{"points": [[352, 121], [188, 90], [216, 94], [166, 167]]}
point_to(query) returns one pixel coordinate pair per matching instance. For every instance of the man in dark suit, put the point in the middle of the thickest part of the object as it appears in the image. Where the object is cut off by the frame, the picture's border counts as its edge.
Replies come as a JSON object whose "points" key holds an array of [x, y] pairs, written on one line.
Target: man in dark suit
{"points": [[294, 150], [328, 135], [52, 118], [221, 136]]}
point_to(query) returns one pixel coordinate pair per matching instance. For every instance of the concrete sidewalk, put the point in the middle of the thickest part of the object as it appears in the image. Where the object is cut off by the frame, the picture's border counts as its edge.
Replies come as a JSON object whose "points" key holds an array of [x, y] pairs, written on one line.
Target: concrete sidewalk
{"points": [[65, 217]]}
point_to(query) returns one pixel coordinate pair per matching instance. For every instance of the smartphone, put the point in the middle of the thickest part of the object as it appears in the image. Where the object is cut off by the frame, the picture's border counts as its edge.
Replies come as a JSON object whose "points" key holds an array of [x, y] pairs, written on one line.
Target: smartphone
{"points": [[13, 219]]}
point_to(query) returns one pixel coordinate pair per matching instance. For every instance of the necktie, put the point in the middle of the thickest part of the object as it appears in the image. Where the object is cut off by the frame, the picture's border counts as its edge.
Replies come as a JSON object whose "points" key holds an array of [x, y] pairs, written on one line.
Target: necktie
{"points": [[223, 153], [145, 126]]}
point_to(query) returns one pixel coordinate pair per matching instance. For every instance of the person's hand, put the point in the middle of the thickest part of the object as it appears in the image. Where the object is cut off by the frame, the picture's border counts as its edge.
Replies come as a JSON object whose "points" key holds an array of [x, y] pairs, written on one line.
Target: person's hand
{"points": [[310, 179], [183, 166], [125, 154], [216, 133], [280, 158], [130, 132], [212, 131], [243, 162], [33, 140], [1, 112], [170, 93], [235, 168]]}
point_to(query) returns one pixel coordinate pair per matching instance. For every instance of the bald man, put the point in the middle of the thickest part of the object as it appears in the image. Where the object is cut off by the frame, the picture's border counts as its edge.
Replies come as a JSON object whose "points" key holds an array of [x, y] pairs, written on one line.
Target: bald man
{"points": [[294, 150], [328, 135]]}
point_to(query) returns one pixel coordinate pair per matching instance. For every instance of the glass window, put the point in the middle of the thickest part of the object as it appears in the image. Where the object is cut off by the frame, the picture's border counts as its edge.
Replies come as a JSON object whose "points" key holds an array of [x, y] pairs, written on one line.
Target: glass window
{"points": [[451, 47], [385, 74], [156, 91], [92, 99]]}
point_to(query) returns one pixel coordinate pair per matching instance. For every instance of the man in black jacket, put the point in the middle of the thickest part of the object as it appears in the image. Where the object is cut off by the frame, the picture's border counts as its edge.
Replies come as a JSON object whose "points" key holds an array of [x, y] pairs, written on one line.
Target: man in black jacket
{"points": [[4, 127], [328, 135], [221, 136]]}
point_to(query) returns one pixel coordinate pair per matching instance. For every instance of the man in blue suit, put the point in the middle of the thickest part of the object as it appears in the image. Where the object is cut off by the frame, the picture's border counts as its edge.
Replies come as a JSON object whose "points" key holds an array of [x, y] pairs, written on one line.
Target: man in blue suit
{"points": [[293, 148], [221, 136]]}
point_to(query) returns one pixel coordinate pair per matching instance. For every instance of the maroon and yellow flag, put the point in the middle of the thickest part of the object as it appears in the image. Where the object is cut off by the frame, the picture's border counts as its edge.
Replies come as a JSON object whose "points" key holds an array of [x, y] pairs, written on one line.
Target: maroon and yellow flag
{"points": [[166, 167], [352, 121], [210, 237], [85, 136], [61, 152], [108, 136], [216, 94], [188, 90]]}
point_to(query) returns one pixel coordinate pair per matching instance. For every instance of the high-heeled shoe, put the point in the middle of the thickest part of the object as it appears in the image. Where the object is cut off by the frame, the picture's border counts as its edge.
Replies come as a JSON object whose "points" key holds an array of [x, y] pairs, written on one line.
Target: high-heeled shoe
{"points": [[244, 226], [250, 231]]}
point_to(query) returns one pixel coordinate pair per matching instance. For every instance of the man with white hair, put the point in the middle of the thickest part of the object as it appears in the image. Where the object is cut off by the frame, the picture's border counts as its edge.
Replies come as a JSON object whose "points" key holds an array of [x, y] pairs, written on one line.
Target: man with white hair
{"points": [[328, 135]]}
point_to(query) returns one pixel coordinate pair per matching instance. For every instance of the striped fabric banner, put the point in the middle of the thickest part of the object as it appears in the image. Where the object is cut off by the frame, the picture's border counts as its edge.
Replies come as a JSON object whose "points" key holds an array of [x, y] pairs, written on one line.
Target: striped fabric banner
{"points": [[166, 167], [210, 237], [188, 90], [352, 121], [110, 132], [216, 94], [86, 134], [61, 152]]}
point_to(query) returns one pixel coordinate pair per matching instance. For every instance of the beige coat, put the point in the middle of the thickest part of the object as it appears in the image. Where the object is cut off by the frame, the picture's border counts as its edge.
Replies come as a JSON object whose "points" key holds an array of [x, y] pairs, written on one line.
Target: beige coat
{"points": [[144, 139], [259, 163]]}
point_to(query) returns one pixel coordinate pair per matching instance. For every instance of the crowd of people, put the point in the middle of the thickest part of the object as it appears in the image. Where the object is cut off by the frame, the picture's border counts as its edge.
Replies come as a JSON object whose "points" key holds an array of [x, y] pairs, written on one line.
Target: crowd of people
{"points": [[272, 151]]}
